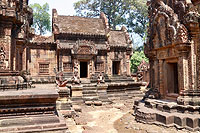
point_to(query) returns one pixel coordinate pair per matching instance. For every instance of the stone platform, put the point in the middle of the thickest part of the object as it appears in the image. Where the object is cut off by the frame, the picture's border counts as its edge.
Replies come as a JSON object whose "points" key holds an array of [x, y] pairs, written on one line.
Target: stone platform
{"points": [[105, 93], [30, 110], [167, 113]]}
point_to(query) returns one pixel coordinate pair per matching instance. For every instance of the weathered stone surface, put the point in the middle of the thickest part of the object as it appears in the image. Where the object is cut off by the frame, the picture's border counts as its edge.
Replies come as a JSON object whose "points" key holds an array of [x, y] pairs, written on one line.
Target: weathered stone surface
{"points": [[173, 50], [77, 108]]}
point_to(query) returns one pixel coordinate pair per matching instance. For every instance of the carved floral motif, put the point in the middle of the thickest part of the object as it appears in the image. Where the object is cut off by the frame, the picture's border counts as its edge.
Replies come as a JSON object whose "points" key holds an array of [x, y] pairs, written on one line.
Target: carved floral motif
{"points": [[84, 47]]}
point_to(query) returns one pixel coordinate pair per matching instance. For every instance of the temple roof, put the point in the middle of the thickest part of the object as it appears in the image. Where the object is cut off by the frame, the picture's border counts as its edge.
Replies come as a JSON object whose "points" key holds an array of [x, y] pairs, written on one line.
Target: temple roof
{"points": [[117, 37], [43, 39], [80, 25]]}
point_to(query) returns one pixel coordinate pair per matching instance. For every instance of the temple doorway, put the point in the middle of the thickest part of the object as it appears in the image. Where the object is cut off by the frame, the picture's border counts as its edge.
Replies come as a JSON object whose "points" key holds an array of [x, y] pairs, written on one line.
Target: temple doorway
{"points": [[83, 69], [172, 78], [116, 67]]}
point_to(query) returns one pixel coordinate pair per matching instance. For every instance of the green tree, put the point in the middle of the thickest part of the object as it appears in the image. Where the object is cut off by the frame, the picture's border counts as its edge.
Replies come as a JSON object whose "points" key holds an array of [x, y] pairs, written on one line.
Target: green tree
{"points": [[115, 10], [138, 18], [136, 59], [41, 18], [132, 13]]}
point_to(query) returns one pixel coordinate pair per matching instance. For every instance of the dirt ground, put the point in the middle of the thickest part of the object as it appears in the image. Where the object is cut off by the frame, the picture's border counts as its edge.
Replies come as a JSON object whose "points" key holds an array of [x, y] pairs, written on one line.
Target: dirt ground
{"points": [[112, 118]]}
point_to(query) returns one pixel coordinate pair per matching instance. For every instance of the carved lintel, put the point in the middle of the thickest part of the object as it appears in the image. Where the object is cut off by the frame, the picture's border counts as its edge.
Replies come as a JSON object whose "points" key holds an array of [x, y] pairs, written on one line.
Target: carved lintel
{"points": [[84, 47], [183, 48]]}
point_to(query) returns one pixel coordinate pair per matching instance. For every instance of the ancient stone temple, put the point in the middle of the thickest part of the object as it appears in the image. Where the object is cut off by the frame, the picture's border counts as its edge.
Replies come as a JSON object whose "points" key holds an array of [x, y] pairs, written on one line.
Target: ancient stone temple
{"points": [[173, 50], [88, 60], [87, 44], [84, 54], [22, 107]]}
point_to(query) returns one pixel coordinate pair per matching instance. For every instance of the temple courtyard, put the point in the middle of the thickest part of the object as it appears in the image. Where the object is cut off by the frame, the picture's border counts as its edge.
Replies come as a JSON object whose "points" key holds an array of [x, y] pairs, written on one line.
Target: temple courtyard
{"points": [[113, 118]]}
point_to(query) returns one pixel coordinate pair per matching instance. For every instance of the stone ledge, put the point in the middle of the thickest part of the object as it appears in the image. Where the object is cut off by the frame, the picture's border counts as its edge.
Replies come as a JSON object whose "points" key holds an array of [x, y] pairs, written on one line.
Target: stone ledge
{"points": [[153, 116]]}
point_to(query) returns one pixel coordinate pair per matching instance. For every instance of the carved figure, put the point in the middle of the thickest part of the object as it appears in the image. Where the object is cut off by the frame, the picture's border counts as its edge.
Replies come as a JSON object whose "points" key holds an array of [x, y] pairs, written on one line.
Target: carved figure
{"points": [[60, 81], [152, 93], [100, 78], [76, 78], [2, 59]]}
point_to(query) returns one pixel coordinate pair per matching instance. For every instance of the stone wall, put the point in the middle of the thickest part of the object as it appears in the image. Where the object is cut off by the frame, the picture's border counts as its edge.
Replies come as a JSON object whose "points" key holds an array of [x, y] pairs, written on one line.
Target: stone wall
{"points": [[173, 40], [40, 57]]}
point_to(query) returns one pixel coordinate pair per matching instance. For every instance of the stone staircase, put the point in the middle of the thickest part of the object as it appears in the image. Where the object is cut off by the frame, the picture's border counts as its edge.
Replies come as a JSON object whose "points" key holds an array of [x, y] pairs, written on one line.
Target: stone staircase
{"points": [[167, 113], [95, 94], [90, 92]]}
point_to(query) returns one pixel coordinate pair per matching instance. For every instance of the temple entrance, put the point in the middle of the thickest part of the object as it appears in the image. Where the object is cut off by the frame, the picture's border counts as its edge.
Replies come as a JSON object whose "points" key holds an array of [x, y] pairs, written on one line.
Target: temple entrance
{"points": [[83, 69], [116, 68], [172, 78]]}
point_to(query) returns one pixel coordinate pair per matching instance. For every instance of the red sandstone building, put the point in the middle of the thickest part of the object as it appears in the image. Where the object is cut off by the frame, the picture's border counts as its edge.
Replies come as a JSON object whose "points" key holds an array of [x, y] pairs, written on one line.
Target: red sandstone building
{"points": [[173, 50], [84, 53], [89, 42]]}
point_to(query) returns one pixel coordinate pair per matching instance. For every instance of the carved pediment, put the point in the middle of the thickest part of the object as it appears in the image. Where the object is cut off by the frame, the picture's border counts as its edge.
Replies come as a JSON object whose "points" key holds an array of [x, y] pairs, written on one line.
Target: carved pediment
{"points": [[84, 47], [165, 26]]}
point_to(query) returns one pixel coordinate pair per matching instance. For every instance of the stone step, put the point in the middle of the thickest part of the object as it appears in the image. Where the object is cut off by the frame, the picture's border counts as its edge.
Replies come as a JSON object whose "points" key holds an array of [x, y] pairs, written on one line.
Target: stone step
{"points": [[116, 91], [89, 91], [133, 88], [89, 95], [91, 98], [117, 94], [154, 116]]}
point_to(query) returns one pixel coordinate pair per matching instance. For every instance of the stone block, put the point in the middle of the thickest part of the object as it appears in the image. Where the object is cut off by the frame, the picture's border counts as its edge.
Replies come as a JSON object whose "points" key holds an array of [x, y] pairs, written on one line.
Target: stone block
{"points": [[77, 108], [76, 93], [165, 119], [180, 121], [89, 103], [192, 122], [97, 103]]}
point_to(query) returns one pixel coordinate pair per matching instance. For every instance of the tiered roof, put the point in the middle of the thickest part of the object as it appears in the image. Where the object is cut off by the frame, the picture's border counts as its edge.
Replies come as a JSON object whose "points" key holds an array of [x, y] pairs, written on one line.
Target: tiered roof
{"points": [[80, 25]]}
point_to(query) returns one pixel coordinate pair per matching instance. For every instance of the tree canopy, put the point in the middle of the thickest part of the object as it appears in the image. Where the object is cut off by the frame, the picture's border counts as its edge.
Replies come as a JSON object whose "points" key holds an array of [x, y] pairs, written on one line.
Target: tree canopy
{"points": [[41, 18], [137, 57], [132, 13]]}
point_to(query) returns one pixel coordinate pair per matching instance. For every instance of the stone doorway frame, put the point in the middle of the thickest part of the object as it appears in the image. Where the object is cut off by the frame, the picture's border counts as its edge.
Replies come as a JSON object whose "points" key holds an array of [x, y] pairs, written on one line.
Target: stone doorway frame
{"points": [[87, 73], [167, 74], [117, 63]]}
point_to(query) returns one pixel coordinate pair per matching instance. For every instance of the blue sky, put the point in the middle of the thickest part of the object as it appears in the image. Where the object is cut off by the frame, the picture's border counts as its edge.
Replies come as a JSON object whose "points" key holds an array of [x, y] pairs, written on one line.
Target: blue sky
{"points": [[65, 7]]}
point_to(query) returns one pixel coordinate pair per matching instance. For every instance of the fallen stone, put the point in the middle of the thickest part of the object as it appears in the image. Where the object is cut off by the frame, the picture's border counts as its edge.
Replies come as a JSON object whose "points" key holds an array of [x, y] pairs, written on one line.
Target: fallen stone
{"points": [[118, 105], [77, 108], [89, 103], [97, 103]]}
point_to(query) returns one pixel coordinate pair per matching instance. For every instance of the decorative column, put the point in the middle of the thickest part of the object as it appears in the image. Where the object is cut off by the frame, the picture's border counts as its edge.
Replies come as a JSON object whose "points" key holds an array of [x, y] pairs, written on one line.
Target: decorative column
{"points": [[127, 61], [24, 58], [191, 96], [161, 77], [91, 67], [183, 74]]}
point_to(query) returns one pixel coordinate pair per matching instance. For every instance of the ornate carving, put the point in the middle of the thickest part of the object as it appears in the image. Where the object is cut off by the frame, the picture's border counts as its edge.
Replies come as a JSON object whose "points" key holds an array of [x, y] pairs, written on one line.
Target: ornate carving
{"points": [[100, 78], [165, 26], [144, 66], [76, 78], [84, 47], [3, 62], [152, 93], [182, 34]]}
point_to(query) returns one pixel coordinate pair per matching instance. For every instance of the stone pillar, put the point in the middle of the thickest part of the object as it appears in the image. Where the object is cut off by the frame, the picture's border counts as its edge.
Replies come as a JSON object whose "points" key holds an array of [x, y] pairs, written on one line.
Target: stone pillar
{"points": [[128, 65], [156, 71], [91, 68], [183, 71], [109, 64], [151, 73], [185, 97], [24, 59], [161, 78]]}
